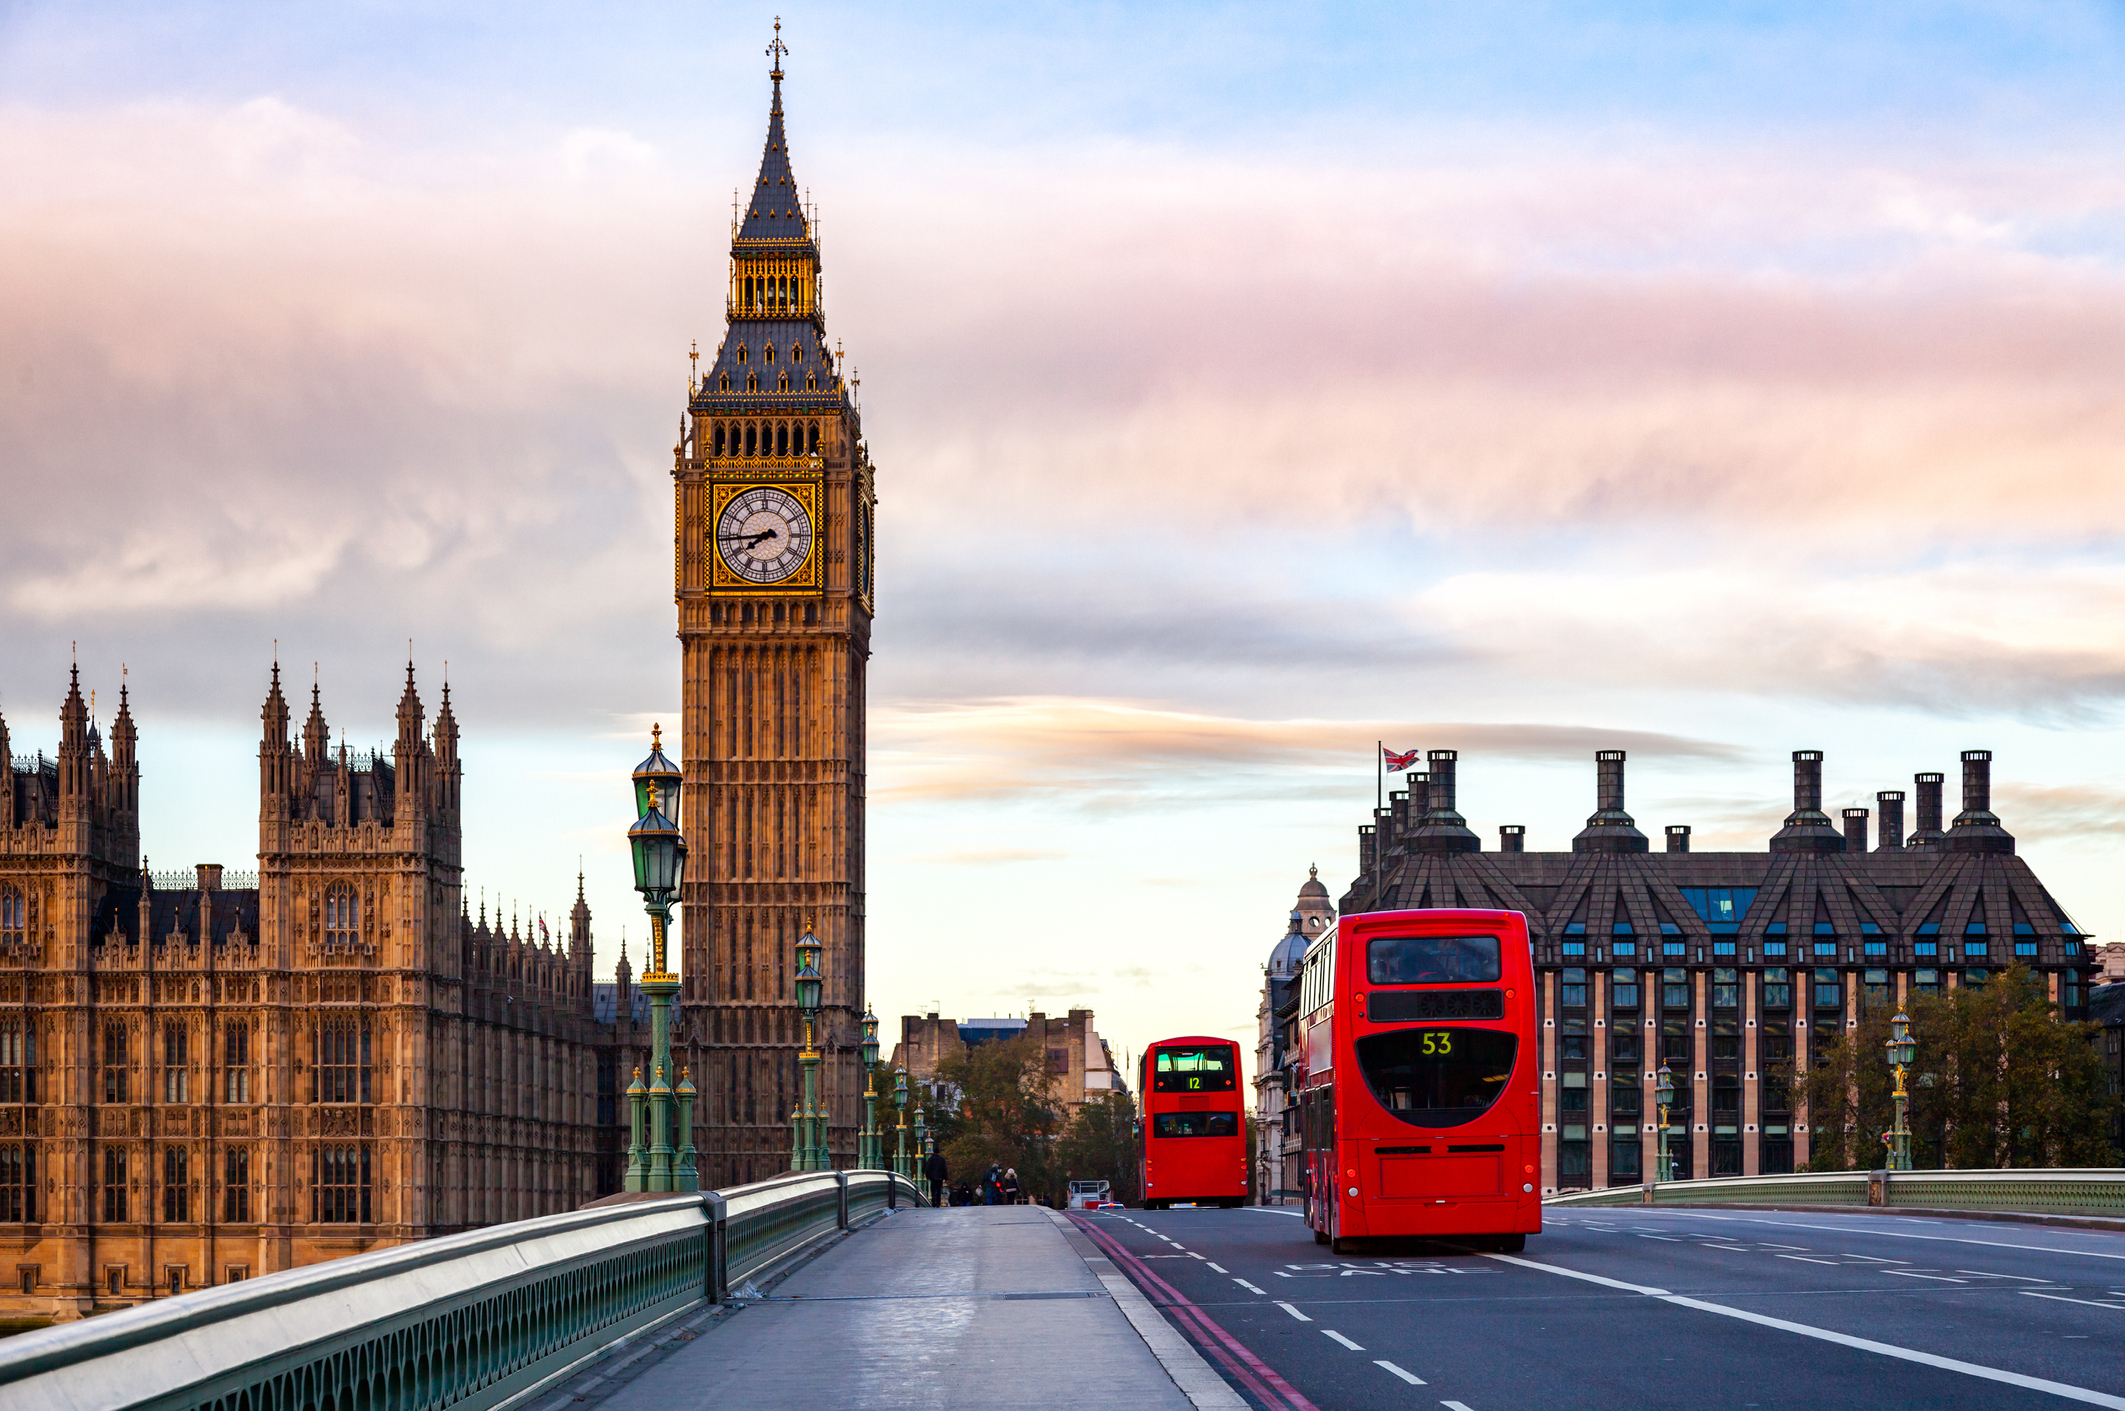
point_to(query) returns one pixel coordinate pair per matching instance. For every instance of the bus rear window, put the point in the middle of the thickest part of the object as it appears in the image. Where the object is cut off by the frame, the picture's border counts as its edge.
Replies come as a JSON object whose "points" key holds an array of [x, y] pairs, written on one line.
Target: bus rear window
{"points": [[1196, 1124], [1437, 1077], [1193, 1070], [1431, 960]]}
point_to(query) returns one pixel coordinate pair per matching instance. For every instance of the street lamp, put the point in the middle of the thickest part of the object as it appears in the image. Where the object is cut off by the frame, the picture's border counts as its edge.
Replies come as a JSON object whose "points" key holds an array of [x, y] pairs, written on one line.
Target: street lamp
{"points": [[1664, 1093], [662, 1159], [870, 1153], [808, 1141], [900, 1100], [1901, 1050]]}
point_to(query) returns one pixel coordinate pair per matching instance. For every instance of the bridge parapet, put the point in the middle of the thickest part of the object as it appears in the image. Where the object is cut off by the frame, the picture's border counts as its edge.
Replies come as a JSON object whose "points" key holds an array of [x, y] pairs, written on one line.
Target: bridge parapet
{"points": [[479, 1320], [2092, 1191]]}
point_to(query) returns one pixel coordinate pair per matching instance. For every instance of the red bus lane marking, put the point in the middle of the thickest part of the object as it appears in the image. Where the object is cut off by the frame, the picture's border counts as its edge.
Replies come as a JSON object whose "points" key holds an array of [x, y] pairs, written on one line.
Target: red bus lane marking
{"points": [[1250, 1371]]}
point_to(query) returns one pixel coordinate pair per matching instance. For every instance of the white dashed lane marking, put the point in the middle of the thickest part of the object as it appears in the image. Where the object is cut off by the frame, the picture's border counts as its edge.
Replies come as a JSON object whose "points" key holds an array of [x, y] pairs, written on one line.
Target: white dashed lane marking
{"points": [[1250, 1287], [1293, 1311], [1332, 1333], [1412, 1378]]}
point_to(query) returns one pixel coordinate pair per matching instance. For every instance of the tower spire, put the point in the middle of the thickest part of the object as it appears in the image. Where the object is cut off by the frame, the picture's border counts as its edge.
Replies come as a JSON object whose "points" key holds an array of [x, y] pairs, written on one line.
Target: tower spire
{"points": [[775, 51]]}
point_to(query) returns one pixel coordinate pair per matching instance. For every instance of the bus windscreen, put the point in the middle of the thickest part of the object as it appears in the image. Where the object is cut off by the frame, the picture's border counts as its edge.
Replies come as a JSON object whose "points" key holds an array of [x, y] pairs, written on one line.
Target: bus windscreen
{"points": [[1196, 1124], [1193, 1070], [1432, 960], [1432, 1077]]}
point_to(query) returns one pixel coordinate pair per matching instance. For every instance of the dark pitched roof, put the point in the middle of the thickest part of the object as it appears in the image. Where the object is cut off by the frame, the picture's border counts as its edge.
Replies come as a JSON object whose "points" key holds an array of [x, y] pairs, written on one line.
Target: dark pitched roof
{"points": [[774, 211]]}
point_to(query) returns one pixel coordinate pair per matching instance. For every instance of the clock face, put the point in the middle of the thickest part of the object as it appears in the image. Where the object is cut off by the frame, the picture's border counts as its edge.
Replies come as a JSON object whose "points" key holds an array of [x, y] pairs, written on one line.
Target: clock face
{"points": [[764, 535]]}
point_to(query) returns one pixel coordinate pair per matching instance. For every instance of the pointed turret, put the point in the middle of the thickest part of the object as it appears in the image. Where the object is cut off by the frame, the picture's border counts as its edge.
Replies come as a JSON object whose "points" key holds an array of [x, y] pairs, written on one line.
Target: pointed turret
{"points": [[123, 797], [579, 924], [446, 776], [7, 778], [410, 755], [276, 757], [74, 763]]}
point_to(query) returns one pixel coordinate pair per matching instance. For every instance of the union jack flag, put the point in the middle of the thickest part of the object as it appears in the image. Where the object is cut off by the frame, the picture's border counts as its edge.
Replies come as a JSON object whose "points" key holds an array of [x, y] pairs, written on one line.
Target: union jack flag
{"points": [[1396, 763]]}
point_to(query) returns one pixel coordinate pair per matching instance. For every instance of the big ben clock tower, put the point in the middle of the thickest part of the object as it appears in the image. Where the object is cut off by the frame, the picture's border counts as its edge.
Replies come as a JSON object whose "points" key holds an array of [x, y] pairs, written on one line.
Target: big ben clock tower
{"points": [[773, 559]]}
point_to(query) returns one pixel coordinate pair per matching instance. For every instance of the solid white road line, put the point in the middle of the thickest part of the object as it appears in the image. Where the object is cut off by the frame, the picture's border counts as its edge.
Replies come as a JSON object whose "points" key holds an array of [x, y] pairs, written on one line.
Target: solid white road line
{"points": [[1276, 1210], [1410, 1377], [1912, 1235], [1293, 1311], [1332, 1333], [2061, 1298], [1885, 1349], [1250, 1287]]}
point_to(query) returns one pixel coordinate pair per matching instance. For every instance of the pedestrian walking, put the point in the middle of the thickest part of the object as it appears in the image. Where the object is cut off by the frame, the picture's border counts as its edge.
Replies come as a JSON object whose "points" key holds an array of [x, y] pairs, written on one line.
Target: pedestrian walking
{"points": [[1010, 1185], [992, 1186], [934, 1172]]}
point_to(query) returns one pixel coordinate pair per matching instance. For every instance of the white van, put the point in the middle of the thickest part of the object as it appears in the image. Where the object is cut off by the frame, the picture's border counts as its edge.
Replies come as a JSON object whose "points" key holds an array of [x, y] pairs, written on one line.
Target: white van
{"points": [[1088, 1195]]}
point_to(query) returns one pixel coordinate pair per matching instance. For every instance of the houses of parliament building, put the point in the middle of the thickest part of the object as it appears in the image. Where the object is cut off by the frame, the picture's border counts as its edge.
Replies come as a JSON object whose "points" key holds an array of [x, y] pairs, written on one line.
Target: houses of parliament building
{"points": [[207, 1076]]}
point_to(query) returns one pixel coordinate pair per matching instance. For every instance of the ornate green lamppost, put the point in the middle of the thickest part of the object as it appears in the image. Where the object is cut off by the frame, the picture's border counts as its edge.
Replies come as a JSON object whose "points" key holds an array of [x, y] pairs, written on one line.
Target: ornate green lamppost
{"points": [[870, 1149], [808, 1140], [1664, 1093], [900, 1100], [1901, 1051], [921, 1146], [660, 1158]]}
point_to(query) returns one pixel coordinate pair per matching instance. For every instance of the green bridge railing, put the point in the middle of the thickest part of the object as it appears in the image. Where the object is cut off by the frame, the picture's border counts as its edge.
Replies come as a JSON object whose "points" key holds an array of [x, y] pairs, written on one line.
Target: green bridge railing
{"points": [[2097, 1191], [485, 1319]]}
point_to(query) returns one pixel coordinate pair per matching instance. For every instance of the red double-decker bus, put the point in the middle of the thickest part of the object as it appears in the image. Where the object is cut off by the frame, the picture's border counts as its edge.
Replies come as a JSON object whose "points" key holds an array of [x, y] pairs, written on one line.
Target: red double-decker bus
{"points": [[1419, 1090], [1194, 1149]]}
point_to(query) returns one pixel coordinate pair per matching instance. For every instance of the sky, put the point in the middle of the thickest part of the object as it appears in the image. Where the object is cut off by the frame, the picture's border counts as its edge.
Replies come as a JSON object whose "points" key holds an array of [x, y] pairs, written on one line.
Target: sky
{"points": [[1247, 383]]}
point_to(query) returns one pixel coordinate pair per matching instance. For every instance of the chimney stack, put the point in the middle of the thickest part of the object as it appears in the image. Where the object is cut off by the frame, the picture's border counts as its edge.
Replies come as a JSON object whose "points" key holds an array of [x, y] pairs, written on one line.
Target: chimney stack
{"points": [[1610, 829], [1512, 837], [1678, 837], [209, 876], [1442, 830], [1855, 830], [1928, 834], [1891, 805], [1608, 781], [1977, 828], [1808, 828]]}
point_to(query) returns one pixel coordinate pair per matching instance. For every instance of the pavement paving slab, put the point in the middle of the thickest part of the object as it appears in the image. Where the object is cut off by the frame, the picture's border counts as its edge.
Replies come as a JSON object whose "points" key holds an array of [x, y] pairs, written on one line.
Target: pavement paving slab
{"points": [[968, 1307]]}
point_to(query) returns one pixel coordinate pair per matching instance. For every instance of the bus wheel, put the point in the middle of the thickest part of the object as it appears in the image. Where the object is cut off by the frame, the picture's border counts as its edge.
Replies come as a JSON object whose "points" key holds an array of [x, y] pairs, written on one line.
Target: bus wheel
{"points": [[1153, 1205], [1320, 1237], [1512, 1244], [1343, 1246]]}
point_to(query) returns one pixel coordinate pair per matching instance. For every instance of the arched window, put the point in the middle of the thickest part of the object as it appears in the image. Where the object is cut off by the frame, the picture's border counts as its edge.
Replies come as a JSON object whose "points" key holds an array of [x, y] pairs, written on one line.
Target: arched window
{"points": [[342, 915], [741, 353], [719, 438], [13, 920], [723, 383], [752, 382], [811, 382], [752, 441], [813, 437], [783, 385], [796, 352], [782, 439], [768, 353]]}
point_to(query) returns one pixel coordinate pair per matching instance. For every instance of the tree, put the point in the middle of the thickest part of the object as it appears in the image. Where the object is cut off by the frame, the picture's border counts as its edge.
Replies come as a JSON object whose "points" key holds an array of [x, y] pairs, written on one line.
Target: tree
{"points": [[1101, 1145], [1999, 1082], [1007, 1115]]}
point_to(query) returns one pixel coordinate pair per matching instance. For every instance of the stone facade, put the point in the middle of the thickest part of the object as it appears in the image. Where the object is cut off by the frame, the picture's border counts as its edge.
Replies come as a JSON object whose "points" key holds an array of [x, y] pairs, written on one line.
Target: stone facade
{"points": [[206, 1077], [1079, 1062], [772, 575], [1277, 1047], [1732, 968]]}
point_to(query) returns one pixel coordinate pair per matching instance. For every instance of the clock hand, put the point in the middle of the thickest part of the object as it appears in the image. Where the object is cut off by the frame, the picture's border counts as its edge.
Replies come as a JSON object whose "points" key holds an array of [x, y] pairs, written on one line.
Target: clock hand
{"points": [[747, 539]]}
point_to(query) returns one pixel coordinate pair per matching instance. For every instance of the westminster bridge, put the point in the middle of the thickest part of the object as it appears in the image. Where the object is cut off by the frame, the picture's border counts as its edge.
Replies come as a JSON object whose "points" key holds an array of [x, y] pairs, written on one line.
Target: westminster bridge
{"points": [[843, 1289]]}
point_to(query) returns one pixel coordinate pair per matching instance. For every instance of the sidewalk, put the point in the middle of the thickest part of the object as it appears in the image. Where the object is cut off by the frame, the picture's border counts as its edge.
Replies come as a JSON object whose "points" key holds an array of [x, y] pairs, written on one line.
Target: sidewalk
{"points": [[975, 1307]]}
